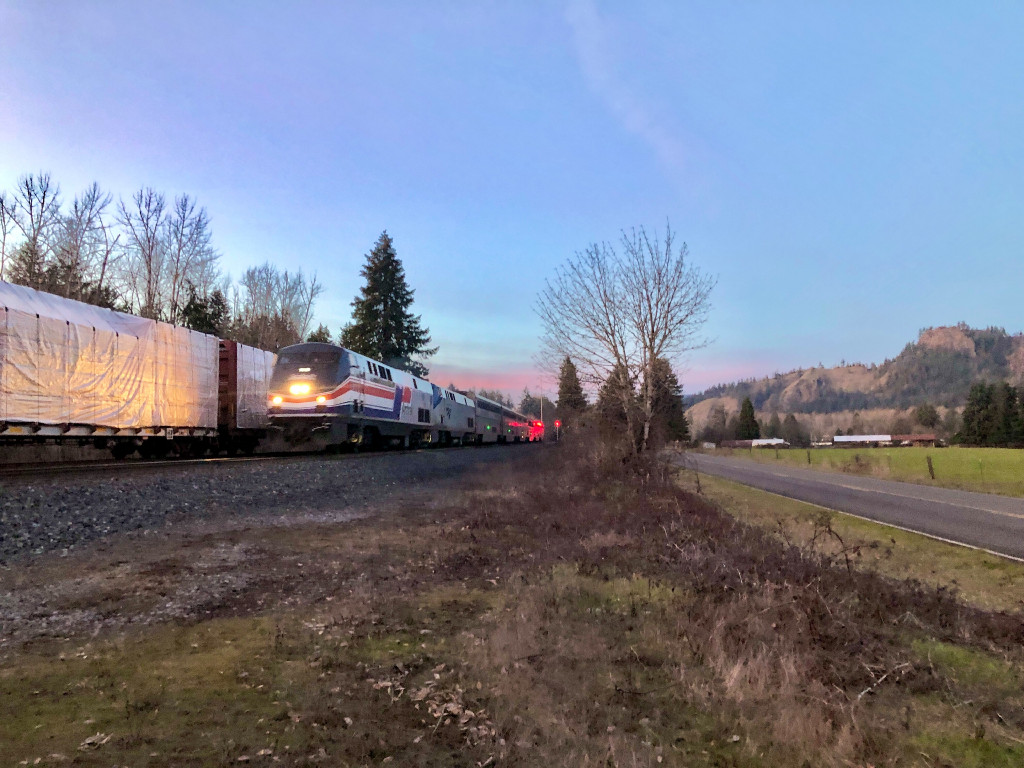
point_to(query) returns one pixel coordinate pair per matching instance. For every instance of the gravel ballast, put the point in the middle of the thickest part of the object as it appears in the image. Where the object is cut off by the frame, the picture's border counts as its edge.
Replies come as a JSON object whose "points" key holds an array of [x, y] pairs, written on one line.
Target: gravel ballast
{"points": [[62, 513]]}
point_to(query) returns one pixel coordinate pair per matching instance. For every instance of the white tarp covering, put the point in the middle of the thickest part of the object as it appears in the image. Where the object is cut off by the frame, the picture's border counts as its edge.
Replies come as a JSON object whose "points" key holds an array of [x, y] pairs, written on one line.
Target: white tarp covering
{"points": [[65, 362], [254, 368]]}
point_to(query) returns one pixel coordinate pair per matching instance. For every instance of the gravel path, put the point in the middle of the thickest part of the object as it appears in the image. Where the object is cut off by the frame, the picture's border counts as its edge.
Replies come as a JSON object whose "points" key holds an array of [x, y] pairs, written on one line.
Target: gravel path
{"points": [[63, 513]]}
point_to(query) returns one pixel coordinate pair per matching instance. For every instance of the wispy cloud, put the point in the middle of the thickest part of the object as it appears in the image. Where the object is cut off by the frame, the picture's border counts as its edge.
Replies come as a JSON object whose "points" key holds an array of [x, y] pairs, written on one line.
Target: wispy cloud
{"points": [[593, 50]]}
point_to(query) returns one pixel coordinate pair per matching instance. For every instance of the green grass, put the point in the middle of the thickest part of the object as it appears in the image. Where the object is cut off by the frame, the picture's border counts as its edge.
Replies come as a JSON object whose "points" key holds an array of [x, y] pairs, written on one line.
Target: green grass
{"points": [[199, 695], [980, 578], [988, 470]]}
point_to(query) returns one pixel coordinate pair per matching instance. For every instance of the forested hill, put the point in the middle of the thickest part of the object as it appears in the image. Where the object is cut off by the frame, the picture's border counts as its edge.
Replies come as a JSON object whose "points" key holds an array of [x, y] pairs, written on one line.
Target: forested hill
{"points": [[938, 368]]}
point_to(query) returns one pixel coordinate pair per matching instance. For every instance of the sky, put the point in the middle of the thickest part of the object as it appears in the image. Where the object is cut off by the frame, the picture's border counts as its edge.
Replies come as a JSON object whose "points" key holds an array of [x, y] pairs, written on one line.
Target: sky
{"points": [[849, 172]]}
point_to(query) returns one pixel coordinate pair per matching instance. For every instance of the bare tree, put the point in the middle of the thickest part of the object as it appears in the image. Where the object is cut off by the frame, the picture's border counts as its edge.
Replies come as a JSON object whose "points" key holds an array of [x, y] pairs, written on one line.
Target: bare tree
{"points": [[666, 304], [612, 313], [144, 221], [273, 309], [306, 295], [191, 260], [36, 210], [6, 229], [80, 249]]}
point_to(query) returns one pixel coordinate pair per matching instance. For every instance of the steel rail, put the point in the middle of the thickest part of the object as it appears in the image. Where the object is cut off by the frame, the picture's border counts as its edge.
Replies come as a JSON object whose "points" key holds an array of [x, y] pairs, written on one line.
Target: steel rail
{"points": [[51, 469]]}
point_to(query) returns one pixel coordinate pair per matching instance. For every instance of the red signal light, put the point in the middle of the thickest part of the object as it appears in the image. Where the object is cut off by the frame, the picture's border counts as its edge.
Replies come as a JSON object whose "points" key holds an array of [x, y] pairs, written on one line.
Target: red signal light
{"points": [[558, 423]]}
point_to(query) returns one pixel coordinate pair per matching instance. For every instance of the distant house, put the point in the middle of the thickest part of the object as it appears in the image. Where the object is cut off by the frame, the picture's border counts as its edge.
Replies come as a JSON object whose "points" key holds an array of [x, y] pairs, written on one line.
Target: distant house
{"points": [[853, 440], [765, 442], [862, 440], [931, 440]]}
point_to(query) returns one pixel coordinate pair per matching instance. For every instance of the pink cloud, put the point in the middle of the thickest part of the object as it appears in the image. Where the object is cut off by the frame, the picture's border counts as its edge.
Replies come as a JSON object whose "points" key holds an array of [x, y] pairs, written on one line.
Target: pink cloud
{"points": [[511, 381]]}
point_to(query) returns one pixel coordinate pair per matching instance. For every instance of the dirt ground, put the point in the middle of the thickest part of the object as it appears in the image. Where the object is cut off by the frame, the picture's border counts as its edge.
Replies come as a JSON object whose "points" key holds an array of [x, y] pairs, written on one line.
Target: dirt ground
{"points": [[561, 610]]}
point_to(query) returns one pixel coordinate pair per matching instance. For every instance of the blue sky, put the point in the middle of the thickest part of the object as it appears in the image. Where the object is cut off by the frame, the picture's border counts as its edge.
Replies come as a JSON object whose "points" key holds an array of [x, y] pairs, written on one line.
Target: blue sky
{"points": [[850, 172]]}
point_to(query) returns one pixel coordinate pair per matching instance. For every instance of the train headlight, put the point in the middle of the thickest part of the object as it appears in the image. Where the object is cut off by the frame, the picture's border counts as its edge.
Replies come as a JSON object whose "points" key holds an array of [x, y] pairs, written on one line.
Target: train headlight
{"points": [[277, 400], [299, 389], [321, 398]]}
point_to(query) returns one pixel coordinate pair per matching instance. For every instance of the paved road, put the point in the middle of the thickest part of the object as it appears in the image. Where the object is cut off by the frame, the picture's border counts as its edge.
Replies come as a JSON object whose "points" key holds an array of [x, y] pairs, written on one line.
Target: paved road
{"points": [[995, 523]]}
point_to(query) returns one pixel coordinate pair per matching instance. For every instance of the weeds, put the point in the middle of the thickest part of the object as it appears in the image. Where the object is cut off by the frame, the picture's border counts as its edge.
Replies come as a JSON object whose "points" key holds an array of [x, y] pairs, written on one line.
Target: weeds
{"points": [[580, 609]]}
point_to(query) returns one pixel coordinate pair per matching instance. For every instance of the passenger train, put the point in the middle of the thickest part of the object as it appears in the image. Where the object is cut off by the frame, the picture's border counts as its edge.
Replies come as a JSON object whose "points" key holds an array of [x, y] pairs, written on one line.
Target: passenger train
{"points": [[331, 396]]}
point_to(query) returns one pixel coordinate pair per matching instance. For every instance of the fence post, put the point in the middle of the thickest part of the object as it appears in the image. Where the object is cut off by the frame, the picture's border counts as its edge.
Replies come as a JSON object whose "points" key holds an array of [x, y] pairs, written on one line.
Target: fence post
{"points": [[808, 457], [931, 469]]}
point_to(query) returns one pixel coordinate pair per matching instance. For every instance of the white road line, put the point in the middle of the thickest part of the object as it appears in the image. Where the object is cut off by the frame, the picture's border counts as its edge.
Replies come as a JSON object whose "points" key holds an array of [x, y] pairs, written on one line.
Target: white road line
{"points": [[885, 524], [958, 505], [829, 483]]}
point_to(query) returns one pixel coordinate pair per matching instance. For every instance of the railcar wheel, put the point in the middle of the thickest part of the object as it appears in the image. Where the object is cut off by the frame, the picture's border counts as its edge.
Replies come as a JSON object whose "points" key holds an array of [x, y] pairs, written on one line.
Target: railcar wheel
{"points": [[154, 448], [122, 449]]}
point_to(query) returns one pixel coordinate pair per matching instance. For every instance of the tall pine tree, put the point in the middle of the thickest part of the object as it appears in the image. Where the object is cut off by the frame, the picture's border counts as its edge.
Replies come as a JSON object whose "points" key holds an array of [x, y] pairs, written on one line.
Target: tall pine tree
{"points": [[382, 326], [749, 429], [571, 400], [669, 417]]}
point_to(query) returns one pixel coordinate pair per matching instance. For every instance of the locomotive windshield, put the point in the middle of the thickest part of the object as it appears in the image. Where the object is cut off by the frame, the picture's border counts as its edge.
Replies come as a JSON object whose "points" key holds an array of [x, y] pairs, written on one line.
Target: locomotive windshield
{"points": [[319, 363]]}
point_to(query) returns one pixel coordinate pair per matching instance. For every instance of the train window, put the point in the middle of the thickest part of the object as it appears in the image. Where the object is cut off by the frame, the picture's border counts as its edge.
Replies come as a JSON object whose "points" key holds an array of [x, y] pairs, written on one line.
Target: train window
{"points": [[469, 423], [388, 372]]}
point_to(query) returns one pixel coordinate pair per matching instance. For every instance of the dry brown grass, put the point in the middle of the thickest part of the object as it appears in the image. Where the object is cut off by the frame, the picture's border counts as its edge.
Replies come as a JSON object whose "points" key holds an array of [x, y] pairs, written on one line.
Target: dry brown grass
{"points": [[576, 609]]}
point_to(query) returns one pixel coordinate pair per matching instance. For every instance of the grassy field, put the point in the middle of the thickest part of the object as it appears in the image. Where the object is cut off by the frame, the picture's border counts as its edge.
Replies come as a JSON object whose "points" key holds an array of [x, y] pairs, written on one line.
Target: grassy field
{"points": [[564, 612], [979, 578], [988, 470]]}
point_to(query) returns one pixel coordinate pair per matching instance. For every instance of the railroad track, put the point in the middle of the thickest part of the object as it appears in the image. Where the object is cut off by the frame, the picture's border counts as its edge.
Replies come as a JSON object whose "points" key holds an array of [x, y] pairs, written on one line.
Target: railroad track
{"points": [[52, 469]]}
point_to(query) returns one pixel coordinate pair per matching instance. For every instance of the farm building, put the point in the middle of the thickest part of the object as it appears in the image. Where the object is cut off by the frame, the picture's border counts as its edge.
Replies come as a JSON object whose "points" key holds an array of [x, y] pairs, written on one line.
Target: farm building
{"points": [[765, 442]]}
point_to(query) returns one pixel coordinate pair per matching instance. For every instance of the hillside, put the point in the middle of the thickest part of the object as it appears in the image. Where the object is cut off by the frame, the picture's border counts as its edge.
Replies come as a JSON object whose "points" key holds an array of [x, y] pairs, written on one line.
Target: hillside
{"points": [[938, 368]]}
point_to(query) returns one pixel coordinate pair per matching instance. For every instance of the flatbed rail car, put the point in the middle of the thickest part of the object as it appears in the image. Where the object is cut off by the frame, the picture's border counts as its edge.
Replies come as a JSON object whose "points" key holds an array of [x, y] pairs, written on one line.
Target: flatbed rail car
{"points": [[72, 372], [328, 395]]}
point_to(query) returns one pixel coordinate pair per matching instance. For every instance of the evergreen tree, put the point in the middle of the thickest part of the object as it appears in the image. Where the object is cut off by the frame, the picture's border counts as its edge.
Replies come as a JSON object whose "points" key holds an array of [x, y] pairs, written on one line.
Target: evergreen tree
{"points": [[571, 400], [669, 417], [748, 428], [774, 428], [977, 416], [794, 433], [321, 334], [206, 315], [927, 415], [28, 267], [1005, 414], [531, 405], [616, 395], [382, 326], [1017, 434]]}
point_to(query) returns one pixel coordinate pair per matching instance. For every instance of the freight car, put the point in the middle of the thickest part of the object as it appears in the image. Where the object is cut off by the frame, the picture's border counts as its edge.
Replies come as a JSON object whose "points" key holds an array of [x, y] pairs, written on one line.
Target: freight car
{"points": [[326, 395], [75, 373]]}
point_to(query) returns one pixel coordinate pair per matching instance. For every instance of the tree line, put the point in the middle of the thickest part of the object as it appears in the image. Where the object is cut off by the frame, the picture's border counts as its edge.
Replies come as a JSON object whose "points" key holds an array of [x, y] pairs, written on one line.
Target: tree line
{"points": [[744, 425], [993, 416], [149, 255]]}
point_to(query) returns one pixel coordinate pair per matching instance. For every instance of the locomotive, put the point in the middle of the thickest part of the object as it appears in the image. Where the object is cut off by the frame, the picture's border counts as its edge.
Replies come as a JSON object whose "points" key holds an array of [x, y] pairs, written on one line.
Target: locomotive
{"points": [[328, 395]]}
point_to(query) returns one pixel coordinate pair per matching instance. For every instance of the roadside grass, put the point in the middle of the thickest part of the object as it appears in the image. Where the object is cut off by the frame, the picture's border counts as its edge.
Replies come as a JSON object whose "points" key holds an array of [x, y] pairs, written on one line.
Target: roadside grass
{"points": [[986, 470], [563, 611], [979, 578]]}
